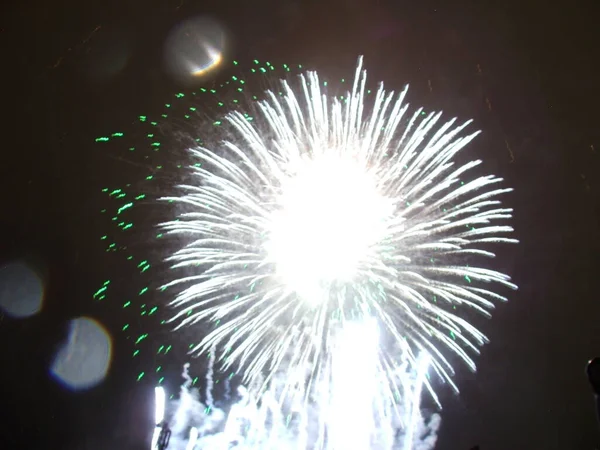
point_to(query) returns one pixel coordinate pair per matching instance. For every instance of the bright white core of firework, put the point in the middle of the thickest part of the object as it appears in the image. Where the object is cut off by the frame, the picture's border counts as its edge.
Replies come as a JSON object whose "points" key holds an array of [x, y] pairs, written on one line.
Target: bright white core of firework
{"points": [[330, 214]]}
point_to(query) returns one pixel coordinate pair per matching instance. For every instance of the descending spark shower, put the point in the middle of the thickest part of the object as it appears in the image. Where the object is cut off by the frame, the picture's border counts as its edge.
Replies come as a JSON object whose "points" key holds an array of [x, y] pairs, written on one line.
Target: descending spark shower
{"points": [[335, 246]]}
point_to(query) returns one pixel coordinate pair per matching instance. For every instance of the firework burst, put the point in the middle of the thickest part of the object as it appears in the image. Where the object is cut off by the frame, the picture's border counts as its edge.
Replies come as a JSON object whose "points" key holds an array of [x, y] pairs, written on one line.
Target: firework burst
{"points": [[325, 210]]}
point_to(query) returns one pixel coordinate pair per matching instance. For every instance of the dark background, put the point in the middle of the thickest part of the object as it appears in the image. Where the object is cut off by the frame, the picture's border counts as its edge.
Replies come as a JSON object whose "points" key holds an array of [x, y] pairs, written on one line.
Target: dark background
{"points": [[527, 71]]}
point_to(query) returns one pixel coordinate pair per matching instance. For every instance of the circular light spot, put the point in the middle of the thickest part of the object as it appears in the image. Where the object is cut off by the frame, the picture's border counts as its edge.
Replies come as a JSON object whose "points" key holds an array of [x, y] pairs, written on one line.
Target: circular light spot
{"points": [[21, 290], [194, 48], [84, 359]]}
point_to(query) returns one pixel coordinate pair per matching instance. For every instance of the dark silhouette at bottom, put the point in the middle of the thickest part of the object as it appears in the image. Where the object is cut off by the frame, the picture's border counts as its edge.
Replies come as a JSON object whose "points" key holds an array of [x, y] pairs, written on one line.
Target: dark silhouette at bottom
{"points": [[164, 436], [593, 374]]}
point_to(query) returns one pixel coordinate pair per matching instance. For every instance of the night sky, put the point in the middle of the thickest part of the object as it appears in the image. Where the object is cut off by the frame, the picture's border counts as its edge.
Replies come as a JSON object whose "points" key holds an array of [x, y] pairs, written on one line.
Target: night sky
{"points": [[526, 71]]}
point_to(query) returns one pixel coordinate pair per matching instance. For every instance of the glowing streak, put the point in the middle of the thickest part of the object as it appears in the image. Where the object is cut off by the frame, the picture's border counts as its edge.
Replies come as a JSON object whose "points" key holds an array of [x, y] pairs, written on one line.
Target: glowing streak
{"points": [[159, 404], [159, 414], [193, 439], [354, 386], [155, 436]]}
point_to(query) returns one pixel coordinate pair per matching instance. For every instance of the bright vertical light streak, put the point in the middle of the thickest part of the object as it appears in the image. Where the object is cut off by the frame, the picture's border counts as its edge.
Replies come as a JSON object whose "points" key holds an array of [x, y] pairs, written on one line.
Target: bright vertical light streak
{"points": [[159, 404], [155, 436], [354, 385], [193, 439], [159, 413]]}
